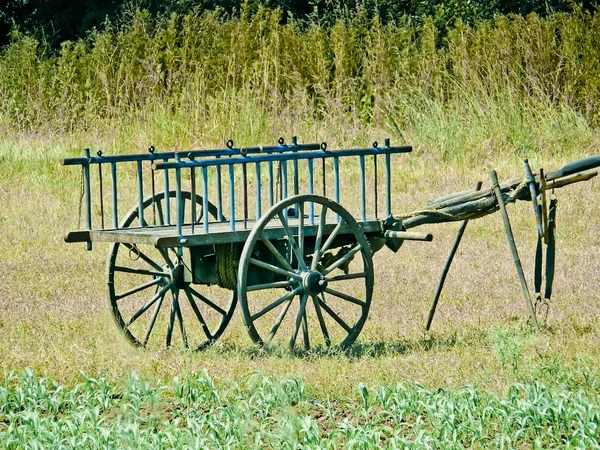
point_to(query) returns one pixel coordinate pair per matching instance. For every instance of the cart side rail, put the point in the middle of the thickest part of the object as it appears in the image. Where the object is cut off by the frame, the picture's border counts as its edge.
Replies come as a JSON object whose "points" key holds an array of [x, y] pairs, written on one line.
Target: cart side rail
{"points": [[94, 192], [227, 177], [278, 176]]}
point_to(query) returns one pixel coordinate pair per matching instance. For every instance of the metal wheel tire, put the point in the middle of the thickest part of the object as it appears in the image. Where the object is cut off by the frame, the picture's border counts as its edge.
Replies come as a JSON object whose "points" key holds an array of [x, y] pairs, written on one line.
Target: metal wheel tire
{"points": [[146, 301], [298, 281]]}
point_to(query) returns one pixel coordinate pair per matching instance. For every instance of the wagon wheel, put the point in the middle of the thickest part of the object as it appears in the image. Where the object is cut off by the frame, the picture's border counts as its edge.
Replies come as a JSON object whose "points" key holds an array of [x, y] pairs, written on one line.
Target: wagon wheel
{"points": [[301, 270], [147, 294]]}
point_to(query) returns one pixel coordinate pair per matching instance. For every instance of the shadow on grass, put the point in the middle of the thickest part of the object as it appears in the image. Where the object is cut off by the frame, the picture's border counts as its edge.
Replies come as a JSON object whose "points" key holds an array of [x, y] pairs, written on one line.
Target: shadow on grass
{"points": [[361, 350]]}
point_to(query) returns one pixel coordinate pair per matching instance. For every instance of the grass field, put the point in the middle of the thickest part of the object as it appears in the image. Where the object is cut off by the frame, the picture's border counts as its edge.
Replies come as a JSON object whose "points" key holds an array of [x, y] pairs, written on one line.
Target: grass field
{"points": [[482, 377], [55, 319]]}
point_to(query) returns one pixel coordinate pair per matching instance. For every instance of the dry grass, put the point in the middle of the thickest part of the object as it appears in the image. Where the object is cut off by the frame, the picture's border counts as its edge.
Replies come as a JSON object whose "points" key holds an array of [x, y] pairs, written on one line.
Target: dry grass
{"points": [[54, 315]]}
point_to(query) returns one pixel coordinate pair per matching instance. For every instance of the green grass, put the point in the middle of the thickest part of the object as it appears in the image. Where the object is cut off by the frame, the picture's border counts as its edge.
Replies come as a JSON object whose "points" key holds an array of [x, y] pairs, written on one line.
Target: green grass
{"points": [[273, 412]]}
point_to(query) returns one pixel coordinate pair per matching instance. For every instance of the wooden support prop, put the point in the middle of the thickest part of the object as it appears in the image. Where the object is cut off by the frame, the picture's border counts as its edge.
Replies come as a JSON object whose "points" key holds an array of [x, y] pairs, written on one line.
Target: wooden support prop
{"points": [[513, 247], [438, 292]]}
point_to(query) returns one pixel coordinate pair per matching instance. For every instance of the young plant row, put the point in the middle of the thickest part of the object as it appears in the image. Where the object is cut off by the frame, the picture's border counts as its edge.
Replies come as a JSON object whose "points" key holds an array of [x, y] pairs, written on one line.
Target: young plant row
{"points": [[271, 412]]}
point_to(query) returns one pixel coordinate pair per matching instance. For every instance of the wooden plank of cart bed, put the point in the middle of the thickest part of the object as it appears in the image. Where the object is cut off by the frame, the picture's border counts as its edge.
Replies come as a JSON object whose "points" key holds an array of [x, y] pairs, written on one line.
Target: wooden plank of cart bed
{"points": [[273, 232], [220, 234]]}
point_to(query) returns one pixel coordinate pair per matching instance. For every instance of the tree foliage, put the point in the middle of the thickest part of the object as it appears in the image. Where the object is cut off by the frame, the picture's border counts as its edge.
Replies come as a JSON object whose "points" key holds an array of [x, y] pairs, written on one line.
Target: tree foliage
{"points": [[59, 20]]}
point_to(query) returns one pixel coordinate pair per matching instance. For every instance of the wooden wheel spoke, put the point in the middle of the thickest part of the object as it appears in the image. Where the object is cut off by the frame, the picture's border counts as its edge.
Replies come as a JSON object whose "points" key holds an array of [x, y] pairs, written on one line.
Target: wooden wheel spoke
{"points": [[153, 321], [301, 228], [319, 239], [292, 240], [144, 308], [165, 254], [137, 289], [279, 320], [275, 285], [305, 331], [142, 272], [143, 256], [159, 210], [332, 236], [172, 317], [346, 297], [322, 324], [199, 215], [299, 319], [350, 276], [197, 313], [207, 301], [276, 303], [347, 257], [335, 317], [275, 269], [276, 253], [180, 320]]}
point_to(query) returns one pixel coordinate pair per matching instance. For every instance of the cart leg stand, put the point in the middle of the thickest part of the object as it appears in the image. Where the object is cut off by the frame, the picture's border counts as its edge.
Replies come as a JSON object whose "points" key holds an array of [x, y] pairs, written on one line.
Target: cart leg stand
{"points": [[513, 247], [436, 297]]}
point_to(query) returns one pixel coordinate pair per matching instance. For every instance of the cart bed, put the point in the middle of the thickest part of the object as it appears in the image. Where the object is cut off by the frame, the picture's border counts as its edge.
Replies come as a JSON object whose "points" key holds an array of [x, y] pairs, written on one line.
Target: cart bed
{"points": [[220, 232]]}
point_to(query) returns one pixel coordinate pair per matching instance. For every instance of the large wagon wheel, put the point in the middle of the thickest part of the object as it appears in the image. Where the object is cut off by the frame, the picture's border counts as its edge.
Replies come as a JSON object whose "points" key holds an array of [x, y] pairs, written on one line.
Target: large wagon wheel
{"points": [[318, 276], [147, 291]]}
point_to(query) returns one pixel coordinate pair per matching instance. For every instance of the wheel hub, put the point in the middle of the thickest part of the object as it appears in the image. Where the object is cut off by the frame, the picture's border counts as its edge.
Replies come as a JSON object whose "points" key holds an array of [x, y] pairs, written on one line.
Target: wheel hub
{"points": [[313, 282]]}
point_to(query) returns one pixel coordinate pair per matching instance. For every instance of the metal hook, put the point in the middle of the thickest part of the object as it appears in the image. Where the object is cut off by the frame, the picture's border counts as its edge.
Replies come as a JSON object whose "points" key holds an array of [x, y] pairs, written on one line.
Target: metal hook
{"points": [[133, 250]]}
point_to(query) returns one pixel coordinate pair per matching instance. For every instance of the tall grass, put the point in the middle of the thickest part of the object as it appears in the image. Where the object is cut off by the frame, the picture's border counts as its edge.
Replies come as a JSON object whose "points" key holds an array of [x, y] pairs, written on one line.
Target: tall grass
{"points": [[198, 78]]}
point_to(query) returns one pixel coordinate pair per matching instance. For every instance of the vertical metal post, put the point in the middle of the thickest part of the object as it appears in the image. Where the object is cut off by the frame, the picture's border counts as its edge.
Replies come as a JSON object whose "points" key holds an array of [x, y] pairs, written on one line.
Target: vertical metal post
{"points": [[101, 188], [113, 176], [245, 193], [363, 206], [219, 195], [178, 197], [167, 195], [311, 190], [140, 194], [512, 245], [270, 180], [284, 182], [375, 186], [296, 178], [205, 213], [231, 198], [323, 177], [193, 205], [336, 179], [88, 194], [388, 182], [388, 187], [258, 192], [336, 182]]}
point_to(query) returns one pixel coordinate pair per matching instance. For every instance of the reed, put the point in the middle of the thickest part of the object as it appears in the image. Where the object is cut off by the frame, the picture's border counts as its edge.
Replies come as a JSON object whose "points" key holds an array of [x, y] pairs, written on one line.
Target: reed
{"points": [[196, 79]]}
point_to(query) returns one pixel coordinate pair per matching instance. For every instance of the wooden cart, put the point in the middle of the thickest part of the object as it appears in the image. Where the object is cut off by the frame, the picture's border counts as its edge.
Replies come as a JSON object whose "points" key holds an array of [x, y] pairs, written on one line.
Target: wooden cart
{"points": [[181, 259], [294, 258]]}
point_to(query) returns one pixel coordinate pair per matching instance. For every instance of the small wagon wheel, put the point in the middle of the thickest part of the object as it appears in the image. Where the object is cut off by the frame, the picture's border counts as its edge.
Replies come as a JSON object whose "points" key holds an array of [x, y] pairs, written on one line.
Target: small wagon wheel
{"points": [[306, 265], [147, 294]]}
